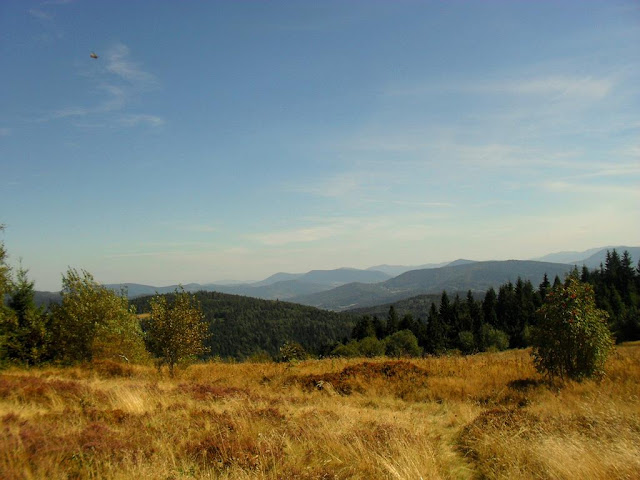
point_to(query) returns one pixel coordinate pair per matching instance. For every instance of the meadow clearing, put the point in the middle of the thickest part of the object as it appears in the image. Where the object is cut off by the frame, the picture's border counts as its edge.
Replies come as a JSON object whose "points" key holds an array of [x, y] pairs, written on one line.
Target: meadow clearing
{"points": [[483, 416]]}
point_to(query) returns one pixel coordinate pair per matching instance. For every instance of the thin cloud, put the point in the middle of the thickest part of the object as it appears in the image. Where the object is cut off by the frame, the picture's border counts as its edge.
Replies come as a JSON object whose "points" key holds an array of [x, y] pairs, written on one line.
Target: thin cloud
{"points": [[120, 81], [590, 189], [120, 63], [40, 14], [302, 235], [542, 85], [586, 87], [5, 132], [134, 120]]}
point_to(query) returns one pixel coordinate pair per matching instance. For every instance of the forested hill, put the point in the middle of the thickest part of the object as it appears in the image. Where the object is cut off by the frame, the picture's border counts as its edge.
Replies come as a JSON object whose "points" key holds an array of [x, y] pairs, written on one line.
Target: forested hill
{"points": [[243, 326]]}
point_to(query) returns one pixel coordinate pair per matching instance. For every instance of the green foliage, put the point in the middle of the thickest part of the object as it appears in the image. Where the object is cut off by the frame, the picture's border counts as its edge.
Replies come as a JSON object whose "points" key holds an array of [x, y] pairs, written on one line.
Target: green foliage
{"points": [[176, 329], [6, 318], [363, 328], [494, 339], [466, 341], [243, 325], [403, 344], [572, 339], [350, 350], [93, 322], [291, 352], [371, 347], [25, 330]]}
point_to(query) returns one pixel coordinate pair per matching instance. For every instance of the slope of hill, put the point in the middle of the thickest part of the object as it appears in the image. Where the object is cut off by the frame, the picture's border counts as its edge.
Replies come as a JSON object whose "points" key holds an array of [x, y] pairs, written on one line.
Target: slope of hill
{"points": [[591, 258], [395, 270], [279, 286], [241, 326], [600, 256], [477, 276], [417, 306]]}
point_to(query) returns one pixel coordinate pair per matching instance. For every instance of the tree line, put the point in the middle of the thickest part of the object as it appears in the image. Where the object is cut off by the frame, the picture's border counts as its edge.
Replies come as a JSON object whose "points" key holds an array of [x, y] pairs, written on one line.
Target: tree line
{"points": [[500, 320], [93, 322]]}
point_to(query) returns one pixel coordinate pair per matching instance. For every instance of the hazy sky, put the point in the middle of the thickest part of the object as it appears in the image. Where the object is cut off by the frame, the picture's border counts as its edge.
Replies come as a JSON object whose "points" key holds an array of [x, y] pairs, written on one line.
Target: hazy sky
{"points": [[232, 140]]}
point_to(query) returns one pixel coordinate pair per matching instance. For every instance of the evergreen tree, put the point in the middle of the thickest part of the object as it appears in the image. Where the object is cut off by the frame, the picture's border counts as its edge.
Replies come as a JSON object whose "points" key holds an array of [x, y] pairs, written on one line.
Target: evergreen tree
{"points": [[28, 337], [435, 331], [5, 281], [392, 321], [363, 328], [544, 287], [489, 307]]}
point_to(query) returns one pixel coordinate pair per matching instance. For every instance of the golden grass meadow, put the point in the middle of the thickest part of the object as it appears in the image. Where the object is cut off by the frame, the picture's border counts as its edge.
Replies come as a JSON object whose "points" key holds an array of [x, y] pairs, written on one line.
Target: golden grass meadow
{"points": [[482, 416]]}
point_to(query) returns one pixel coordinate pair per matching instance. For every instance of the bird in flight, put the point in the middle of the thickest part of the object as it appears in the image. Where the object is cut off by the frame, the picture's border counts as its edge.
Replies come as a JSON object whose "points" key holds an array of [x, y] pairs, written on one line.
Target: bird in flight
{"points": [[93, 55]]}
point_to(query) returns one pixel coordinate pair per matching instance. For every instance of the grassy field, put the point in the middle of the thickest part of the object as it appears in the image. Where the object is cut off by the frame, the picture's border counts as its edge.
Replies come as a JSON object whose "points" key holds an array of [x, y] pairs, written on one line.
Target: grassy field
{"points": [[483, 416]]}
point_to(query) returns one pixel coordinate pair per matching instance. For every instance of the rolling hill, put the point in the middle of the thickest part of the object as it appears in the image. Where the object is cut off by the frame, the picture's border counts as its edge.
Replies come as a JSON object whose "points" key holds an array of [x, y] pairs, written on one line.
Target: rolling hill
{"points": [[475, 276]]}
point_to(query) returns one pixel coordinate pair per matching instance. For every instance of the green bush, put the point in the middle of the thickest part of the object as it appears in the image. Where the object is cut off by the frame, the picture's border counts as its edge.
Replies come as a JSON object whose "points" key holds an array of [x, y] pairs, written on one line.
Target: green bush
{"points": [[572, 338], [292, 352], [371, 347], [403, 344], [349, 350], [466, 341], [494, 339]]}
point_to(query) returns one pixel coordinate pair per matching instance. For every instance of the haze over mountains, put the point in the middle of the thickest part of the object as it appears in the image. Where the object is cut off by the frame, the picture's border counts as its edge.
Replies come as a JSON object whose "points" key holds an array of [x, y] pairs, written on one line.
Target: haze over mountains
{"points": [[348, 288]]}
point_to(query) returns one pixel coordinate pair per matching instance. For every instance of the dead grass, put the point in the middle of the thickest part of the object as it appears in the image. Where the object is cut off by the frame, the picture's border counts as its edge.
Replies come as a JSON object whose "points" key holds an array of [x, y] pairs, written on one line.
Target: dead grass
{"points": [[484, 416]]}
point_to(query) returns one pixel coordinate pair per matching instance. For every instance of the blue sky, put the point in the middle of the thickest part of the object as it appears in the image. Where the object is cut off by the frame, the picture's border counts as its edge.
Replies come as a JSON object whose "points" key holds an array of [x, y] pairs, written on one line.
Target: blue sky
{"points": [[231, 140]]}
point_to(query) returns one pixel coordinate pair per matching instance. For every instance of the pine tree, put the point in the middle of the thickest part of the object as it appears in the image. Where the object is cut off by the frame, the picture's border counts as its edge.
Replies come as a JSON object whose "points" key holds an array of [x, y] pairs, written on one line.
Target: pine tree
{"points": [[489, 308], [28, 340], [392, 321], [436, 332]]}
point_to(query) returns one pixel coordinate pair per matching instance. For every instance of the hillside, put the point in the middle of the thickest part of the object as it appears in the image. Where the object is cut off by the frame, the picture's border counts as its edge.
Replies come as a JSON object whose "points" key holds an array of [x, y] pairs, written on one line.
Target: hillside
{"points": [[417, 306], [242, 326], [475, 276], [591, 258]]}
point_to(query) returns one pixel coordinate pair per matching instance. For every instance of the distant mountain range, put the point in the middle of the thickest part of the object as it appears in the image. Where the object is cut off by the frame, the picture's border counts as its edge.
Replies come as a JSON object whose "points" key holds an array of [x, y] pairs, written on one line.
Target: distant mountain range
{"points": [[347, 288], [474, 276]]}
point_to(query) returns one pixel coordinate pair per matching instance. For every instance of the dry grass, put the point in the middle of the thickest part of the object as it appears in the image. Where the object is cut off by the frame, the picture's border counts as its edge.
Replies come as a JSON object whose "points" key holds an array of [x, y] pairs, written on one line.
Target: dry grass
{"points": [[485, 416]]}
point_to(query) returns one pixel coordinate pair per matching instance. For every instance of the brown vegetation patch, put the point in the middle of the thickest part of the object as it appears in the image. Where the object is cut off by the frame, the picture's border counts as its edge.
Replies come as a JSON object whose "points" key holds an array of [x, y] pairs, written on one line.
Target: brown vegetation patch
{"points": [[201, 391], [38, 390], [227, 448], [357, 377], [111, 369]]}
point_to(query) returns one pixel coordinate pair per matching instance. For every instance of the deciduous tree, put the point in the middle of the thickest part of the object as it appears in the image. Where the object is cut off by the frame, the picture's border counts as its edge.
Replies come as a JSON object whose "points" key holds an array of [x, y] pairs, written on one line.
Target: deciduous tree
{"points": [[94, 322], [572, 338], [176, 329]]}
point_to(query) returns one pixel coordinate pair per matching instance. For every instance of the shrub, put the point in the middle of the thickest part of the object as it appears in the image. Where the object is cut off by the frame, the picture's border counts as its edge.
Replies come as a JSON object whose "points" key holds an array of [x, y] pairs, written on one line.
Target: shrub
{"points": [[572, 338], [403, 344], [292, 351], [349, 350], [371, 347], [466, 341], [494, 339]]}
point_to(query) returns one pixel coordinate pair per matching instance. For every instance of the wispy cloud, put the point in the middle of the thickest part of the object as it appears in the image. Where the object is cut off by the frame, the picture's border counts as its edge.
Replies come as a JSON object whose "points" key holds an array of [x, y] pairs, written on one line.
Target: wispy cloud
{"points": [[40, 14], [120, 63], [121, 80], [584, 86], [5, 132], [301, 235], [133, 120], [608, 190]]}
